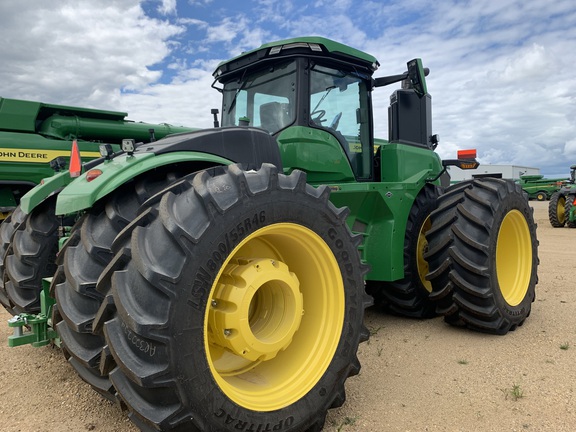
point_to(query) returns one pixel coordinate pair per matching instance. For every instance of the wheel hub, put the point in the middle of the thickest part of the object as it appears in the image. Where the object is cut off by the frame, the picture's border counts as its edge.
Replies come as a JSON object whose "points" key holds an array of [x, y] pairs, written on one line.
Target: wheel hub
{"points": [[264, 352], [256, 309]]}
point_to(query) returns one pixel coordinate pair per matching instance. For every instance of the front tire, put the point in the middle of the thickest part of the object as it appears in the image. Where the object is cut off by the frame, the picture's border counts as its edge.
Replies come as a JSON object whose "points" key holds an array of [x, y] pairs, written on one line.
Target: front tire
{"points": [[240, 305], [81, 261], [7, 229], [482, 252], [31, 256]]}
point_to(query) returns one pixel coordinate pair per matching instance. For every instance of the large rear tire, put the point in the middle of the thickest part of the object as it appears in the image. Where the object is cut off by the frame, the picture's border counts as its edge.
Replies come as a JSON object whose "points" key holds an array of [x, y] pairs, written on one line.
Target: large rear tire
{"points": [[7, 229], [557, 210], [31, 256], [83, 258], [410, 296], [483, 255], [238, 306]]}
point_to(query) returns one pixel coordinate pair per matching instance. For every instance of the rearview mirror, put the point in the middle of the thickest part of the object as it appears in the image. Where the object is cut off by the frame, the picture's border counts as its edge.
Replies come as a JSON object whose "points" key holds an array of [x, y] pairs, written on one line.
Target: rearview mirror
{"points": [[417, 76]]}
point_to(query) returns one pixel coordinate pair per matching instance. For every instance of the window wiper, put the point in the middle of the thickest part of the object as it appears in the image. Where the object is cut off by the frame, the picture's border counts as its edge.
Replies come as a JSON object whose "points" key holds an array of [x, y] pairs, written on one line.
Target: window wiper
{"points": [[239, 89], [328, 90]]}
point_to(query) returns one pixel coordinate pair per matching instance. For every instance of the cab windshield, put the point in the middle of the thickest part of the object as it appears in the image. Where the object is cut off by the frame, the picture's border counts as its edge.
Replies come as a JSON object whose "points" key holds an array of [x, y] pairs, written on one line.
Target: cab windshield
{"points": [[264, 99], [339, 103]]}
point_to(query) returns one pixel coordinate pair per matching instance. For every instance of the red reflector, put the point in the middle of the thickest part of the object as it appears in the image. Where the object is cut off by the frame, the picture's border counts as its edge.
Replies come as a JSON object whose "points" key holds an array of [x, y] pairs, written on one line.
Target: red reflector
{"points": [[467, 154], [75, 161], [93, 174]]}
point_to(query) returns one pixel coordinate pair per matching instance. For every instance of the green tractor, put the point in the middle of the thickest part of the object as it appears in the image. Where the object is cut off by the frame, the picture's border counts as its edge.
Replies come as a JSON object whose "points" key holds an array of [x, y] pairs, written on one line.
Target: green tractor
{"points": [[561, 206], [217, 280]]}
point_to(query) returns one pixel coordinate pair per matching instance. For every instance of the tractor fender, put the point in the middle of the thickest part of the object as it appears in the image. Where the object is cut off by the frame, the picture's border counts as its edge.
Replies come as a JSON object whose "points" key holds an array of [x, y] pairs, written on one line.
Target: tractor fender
{"points": [[82, 193], [44, 190], [208, 147]]}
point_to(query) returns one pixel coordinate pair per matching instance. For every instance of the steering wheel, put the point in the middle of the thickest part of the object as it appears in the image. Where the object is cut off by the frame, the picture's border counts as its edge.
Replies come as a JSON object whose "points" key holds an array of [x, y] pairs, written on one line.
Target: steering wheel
{"points": [[317, 116], [334, 123]]}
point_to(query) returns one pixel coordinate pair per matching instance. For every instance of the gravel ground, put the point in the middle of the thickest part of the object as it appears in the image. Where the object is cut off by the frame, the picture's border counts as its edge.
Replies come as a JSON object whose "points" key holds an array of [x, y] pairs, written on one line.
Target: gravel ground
{"points": [[416, 375]]}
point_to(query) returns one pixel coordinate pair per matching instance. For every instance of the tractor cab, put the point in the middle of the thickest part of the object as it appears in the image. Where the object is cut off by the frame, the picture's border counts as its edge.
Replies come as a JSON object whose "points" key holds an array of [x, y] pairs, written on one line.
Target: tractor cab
{"points": [[314, 96]]}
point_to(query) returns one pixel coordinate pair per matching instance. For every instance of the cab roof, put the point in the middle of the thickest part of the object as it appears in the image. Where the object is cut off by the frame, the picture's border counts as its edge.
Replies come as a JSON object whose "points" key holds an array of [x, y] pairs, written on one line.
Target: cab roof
{"points": [[314, 46]]}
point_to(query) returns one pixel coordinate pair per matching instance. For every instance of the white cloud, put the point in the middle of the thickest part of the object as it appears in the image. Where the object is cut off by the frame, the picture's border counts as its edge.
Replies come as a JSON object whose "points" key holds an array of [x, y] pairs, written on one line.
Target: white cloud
{"points": [[570, 150], [167, 7], [227, 30], [193, 22], [183, 103], [500, 75], [200, 2], [79, 52]]}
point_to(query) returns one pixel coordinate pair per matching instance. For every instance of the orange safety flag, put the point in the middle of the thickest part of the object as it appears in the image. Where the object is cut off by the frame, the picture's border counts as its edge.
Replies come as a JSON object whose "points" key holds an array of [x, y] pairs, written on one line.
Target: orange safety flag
{"points": [[75, 161]]}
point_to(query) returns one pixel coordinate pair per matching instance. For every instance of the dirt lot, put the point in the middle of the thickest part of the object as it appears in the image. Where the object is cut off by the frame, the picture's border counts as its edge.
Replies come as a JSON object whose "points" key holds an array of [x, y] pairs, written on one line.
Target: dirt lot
{"points": [[416, 375]]}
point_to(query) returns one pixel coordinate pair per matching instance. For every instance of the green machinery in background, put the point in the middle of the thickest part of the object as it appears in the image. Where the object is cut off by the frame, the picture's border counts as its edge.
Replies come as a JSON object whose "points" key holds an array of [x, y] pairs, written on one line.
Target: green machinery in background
{"points": [[33, 134], [540, 188], [561, 206]]}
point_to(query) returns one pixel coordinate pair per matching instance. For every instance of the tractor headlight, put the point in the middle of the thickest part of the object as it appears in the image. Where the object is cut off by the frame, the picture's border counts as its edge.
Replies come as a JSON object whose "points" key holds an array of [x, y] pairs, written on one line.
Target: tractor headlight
{"points": [[128, 146], [106, 151]]}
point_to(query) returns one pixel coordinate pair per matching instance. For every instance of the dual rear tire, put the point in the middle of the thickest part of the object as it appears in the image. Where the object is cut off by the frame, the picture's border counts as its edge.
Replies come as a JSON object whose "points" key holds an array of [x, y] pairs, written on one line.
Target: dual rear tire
{"points": [[470, 255], [483, 258]]}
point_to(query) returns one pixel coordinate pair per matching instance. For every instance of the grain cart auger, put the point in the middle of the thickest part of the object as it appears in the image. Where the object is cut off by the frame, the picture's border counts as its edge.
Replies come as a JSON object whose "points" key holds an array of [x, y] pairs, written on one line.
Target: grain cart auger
{"points": [[234, 299], [560, 208]]}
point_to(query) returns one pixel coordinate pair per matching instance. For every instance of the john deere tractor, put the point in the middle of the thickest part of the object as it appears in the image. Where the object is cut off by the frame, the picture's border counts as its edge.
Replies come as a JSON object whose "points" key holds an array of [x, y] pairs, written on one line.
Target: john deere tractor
{"points": [[216, 280], [560, 208]]}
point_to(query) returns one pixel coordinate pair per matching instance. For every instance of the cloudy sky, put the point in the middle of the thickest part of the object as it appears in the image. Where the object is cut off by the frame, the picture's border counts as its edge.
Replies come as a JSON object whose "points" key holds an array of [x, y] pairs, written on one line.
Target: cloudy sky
{"points": [[502, 75]]}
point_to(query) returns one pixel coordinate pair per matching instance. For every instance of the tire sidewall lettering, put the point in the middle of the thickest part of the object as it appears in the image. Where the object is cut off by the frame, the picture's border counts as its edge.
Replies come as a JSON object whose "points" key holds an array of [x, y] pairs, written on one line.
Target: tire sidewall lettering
{"points": [[248, 426], [140, 344], [206, 273]]}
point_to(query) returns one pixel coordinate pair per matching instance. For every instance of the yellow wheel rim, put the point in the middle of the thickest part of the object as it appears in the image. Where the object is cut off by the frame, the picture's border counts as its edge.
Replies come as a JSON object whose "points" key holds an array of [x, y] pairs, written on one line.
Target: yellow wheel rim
{"points": [[275, 317], [422, 248], [561, 209], [514, 257]]}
